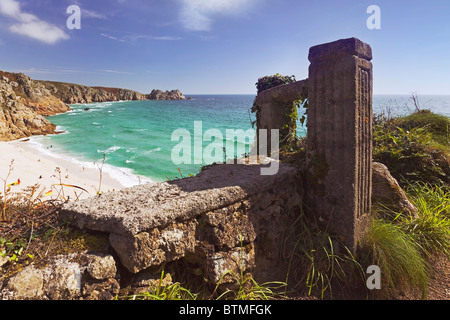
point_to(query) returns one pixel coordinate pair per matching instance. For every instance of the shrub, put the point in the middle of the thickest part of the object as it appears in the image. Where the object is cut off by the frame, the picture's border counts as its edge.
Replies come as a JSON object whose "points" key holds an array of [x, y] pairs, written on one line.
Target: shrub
{"points": [[437, 125], [268, 82], [413, 148]]}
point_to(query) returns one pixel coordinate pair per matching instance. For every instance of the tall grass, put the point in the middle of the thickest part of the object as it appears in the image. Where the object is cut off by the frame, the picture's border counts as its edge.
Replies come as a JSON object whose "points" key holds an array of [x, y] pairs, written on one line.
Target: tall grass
{"points": [[318, 261], [165, 291], [431, 229], [398, 256], [245, 287], [402, 246]]}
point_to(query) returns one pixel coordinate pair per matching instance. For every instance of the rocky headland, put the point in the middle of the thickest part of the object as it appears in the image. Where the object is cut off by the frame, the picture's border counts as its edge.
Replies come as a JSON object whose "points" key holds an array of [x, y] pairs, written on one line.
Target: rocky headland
{"points": [[24, 102]]}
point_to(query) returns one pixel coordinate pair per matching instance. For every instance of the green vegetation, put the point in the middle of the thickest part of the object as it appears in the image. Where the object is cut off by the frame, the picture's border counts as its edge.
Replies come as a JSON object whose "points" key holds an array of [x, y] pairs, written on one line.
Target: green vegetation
{"points": [[416, 150], [317, 261], [288, 137], [398, 256], [268, 82], [165, 290]]}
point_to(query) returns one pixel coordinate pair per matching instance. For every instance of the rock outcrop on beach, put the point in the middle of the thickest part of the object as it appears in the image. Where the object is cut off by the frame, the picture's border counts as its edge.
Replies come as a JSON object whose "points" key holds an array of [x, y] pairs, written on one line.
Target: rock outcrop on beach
{"points": [[25, 102], [22, 115]]}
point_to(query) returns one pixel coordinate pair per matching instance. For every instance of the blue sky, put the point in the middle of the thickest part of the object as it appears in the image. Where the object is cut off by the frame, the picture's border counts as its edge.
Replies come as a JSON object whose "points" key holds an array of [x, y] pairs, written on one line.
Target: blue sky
{"points": [[220, 46]]}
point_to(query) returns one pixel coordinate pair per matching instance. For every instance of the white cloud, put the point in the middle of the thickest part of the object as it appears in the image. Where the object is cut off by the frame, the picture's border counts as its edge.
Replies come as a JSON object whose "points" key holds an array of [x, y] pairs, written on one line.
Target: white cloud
{"points": [[111, 37], [92, 14], [196, 15], [115, 71], [125, 36], [29, 25]]}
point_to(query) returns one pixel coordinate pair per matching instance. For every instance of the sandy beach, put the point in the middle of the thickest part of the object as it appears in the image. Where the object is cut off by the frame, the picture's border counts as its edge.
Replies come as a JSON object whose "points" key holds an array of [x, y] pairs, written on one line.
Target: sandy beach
{"points": [[32, 167]]}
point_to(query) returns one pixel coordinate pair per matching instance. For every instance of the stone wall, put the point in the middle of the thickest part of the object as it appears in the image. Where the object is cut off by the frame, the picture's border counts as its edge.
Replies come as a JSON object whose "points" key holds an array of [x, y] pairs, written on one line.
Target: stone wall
{"points": [[227, 218]]}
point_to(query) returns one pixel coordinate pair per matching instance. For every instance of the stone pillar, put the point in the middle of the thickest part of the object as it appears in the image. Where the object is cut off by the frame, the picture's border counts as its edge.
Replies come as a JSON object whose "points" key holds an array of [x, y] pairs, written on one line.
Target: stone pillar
{"points": [[339, 140]]}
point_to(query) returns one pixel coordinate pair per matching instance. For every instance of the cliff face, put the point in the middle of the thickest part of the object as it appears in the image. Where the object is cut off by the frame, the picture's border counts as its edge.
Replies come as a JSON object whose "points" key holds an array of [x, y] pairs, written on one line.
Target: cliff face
{"points": [[75, 93], [34, 94], [25, 102], [17, 119]]}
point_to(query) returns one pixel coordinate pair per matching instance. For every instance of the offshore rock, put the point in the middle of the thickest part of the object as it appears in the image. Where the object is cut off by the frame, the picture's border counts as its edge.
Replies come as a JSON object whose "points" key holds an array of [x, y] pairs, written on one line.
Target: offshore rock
{"points": [[167, 95]]}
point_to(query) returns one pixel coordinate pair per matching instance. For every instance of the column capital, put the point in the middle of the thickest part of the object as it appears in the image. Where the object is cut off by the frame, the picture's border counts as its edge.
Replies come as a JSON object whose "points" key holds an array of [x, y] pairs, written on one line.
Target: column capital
{"points": [[339, 49]]}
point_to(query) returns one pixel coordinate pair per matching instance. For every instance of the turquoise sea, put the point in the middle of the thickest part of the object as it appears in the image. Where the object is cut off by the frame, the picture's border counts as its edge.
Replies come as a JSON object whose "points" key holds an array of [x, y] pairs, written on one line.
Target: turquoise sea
{"points": [[136, 136]]}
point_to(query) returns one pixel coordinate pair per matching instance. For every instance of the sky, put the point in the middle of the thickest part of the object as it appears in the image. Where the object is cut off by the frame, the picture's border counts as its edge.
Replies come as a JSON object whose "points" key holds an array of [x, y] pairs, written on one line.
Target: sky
{"points": [[220, 46]]}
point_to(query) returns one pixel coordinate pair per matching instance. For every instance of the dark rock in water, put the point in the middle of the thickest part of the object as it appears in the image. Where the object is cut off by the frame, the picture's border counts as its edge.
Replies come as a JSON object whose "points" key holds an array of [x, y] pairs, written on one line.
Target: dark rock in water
{"points": [[166, 95], [87, 109]]}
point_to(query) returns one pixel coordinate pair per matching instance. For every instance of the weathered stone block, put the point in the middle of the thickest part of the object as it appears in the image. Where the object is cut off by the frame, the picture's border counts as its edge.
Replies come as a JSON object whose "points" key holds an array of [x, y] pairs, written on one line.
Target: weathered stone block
{"points": [[227, 266], [155, 247], [227, 228]]}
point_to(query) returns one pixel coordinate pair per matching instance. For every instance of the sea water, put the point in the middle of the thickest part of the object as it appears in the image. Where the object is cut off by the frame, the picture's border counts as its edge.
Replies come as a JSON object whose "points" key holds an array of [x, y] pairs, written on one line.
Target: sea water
{"points": [[134, 138]]}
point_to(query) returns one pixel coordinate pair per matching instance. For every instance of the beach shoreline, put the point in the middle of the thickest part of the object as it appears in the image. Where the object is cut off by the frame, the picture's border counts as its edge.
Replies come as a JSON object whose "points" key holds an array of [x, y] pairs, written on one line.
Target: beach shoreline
{"points": [[33, 166]]}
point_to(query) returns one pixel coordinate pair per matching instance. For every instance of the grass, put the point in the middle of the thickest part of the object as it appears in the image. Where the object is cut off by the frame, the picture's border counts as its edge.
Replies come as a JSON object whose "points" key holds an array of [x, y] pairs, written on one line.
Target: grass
{"points": [[431, 229], [416, 150], [402, 246], [165, 291], [398, 256], [30, 230], [244, 287], [318, 261]]}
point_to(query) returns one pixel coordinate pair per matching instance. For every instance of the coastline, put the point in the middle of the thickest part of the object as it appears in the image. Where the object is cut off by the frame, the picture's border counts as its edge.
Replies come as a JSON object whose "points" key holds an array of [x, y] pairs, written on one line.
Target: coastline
{"points": [[33, 166]]}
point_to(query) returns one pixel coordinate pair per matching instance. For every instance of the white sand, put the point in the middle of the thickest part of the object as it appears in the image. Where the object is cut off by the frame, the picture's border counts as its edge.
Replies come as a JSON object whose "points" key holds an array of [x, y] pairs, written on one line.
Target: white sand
{"points": [[32, 166]]}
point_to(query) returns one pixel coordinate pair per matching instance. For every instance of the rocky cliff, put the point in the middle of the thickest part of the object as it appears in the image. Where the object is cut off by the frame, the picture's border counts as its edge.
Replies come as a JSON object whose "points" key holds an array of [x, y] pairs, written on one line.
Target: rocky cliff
{"points": [[75, 93], [33, 94], [25, 102], [22, 116]]}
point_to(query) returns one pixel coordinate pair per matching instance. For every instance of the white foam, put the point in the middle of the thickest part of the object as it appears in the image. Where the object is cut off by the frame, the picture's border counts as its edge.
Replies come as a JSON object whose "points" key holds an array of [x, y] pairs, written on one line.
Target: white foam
{"points": [[151, 151], [110, 150], [125, 176]]}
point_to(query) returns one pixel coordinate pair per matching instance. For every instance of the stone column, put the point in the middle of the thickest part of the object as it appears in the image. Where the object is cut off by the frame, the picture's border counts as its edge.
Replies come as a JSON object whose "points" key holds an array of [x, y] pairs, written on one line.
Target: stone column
{"points": [[339, 140]]}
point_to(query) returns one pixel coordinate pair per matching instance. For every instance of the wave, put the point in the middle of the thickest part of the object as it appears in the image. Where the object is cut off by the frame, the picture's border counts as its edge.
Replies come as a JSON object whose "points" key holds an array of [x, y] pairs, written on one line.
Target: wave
{"points": [[125, 176], [151, 151], [109, 150]]}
